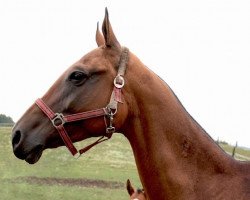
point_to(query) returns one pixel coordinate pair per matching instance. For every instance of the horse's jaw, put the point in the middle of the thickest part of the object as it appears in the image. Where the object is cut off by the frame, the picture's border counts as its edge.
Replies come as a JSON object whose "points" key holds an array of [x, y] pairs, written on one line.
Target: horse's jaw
{"points": [[30, 156], [34, 155]]}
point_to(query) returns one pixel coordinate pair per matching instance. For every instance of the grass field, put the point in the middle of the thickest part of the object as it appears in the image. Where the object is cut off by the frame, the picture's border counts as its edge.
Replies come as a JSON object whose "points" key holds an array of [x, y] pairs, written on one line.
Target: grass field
{"points": [[99, 174], [240, 153]]}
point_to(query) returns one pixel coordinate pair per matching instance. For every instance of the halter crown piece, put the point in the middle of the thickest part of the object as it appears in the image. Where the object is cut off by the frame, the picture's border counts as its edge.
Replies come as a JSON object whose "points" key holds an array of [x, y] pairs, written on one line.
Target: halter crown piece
{"points": [[58, 119]]}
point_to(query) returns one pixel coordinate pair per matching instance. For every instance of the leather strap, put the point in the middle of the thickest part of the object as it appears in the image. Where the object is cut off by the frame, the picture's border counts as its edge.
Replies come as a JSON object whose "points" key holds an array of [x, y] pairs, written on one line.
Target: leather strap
{"points": [[60, 128], [58, 121], [86, 115], [66, 139], [50, 114]]}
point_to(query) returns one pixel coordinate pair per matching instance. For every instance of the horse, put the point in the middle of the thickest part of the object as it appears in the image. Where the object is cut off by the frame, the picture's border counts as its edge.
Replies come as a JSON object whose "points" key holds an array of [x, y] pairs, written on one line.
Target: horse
{"points": [[110, 90], [138, 194]]}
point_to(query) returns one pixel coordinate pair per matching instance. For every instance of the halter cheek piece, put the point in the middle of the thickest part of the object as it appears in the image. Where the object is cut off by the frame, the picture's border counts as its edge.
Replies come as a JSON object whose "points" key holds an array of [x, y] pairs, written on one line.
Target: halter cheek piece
{"points": [[58, 119]]}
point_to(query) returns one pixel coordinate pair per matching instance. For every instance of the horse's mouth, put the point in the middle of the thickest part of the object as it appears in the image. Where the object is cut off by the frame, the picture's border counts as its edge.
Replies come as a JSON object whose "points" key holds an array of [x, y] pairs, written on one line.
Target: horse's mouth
{"points": [[34, 155]]}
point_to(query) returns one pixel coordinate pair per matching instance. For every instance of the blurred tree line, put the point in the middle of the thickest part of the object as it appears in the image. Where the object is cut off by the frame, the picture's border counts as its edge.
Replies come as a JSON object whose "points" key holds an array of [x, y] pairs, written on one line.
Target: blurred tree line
{"points": [[5, 119]]}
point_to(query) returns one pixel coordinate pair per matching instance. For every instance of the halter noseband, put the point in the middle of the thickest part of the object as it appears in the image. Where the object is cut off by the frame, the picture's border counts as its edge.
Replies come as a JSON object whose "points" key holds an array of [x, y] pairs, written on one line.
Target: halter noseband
{"points": [[58, 119]]}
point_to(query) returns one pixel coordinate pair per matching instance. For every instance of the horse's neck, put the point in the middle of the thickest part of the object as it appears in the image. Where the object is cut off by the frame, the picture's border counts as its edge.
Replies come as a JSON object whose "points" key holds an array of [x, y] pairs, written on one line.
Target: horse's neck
{"points": [[171, 150]]}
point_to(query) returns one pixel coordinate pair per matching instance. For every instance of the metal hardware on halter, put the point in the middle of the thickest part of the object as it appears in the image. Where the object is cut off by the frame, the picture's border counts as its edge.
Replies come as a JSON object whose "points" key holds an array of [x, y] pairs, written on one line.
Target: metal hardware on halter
{"points": [[58, 118], [110, 129], [119, 81]]}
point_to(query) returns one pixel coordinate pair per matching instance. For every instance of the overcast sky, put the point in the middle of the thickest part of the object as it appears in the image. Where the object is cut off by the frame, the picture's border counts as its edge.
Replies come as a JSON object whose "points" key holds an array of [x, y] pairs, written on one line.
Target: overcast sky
{"points": [[200, 48]]}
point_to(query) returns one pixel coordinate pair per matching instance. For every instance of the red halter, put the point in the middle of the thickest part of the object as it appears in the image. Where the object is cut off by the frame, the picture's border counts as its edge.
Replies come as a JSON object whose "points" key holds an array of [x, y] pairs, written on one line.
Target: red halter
{"points": [[58, 119]]}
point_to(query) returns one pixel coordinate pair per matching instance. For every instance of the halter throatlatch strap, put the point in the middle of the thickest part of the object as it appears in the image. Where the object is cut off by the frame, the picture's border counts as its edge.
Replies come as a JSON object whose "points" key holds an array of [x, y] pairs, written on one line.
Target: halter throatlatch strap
{"points": [[58, 119]]}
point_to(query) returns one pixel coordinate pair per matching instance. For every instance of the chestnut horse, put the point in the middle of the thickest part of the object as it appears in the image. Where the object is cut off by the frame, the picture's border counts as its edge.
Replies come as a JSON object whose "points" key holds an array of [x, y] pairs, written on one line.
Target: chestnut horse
{"points": [[110, 89], [135, 194]]}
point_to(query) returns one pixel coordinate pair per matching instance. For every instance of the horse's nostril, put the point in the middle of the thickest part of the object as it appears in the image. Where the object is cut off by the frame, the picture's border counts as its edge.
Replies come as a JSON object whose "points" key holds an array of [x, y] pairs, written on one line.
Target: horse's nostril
{"points": [[16, 138]]}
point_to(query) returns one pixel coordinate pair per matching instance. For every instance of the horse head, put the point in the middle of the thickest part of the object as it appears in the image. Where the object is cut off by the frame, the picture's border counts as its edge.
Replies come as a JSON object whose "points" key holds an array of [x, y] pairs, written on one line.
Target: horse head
{"points": [[135, 194], [85, 86]]}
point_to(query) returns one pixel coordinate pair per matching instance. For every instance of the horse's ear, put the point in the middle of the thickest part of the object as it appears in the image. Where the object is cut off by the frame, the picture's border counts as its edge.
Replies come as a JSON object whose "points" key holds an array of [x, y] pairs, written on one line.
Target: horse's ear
{"points": [[130, 188], [99, 37], [109, 36]]}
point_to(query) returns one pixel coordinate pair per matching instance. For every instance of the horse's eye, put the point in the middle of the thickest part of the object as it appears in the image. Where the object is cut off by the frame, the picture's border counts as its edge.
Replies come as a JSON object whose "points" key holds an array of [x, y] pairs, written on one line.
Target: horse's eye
{"points": [[77, 77]]}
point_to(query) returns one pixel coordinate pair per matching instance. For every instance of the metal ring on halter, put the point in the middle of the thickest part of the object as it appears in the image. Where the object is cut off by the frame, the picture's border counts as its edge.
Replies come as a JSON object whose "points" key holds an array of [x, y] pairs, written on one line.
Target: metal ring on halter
{"points": [[58, 120], [119, 81], [110, 111]]}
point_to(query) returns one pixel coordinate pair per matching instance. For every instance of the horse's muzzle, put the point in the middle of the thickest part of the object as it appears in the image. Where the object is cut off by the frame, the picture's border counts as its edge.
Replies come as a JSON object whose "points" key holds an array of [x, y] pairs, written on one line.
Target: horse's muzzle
{"points": [[29, 154]]}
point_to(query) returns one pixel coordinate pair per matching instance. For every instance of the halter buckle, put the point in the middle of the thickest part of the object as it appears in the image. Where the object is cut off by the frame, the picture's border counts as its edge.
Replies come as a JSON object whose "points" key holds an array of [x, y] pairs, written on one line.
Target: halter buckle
{"points": [[58, 120], [119, 82]]}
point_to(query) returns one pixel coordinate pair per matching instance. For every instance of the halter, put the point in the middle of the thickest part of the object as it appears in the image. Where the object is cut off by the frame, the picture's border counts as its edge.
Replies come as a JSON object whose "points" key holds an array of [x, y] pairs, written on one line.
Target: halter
{"points": [[58, 119]]}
